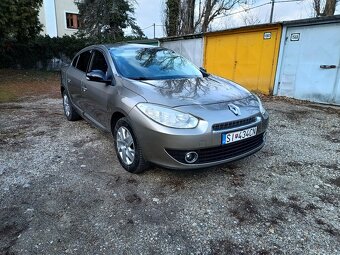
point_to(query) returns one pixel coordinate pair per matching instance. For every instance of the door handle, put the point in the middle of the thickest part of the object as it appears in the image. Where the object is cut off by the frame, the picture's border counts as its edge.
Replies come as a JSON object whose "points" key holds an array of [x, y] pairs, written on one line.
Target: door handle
{"points": [[68, 80], [328, 66], [83, 89]]}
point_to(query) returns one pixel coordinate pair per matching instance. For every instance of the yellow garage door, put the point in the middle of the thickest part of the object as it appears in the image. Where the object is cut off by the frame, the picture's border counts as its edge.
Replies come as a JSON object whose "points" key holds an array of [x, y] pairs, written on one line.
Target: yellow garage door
{"points": [[248, 57]]}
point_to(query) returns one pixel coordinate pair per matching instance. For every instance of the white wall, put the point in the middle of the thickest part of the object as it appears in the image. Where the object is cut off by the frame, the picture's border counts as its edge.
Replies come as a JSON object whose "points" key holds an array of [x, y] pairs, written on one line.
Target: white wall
{"points": [[191, 49], [62, 7], [52, 16], [47, 18]]}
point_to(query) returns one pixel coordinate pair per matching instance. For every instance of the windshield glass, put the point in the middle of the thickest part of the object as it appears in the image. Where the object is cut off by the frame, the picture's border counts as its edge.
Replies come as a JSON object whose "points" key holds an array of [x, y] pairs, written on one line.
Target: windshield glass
{"points": [[152, 64]]}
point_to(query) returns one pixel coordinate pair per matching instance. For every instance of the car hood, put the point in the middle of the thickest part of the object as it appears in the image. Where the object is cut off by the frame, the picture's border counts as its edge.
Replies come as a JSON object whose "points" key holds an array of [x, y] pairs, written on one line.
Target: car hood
{"points": [[193, 91]]}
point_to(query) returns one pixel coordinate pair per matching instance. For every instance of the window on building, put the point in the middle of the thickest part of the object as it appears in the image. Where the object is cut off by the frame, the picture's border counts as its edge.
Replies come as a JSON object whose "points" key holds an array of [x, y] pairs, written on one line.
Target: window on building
{"points": [[72, 20]]}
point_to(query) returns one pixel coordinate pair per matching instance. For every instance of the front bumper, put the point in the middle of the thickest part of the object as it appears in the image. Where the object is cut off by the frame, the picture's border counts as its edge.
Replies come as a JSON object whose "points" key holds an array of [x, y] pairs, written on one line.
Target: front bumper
{"points": [[167, 146]]}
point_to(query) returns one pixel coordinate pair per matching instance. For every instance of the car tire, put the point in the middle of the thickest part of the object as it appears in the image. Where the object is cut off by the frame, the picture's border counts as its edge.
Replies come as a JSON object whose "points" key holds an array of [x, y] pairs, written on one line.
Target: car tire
{"points": [[129, 153], [69, 110]]}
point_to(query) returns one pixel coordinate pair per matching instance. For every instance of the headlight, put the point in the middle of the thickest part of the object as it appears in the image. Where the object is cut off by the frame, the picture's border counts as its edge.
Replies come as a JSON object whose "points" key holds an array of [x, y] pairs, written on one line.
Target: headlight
{"points": [[262, 110], [168, 117]]}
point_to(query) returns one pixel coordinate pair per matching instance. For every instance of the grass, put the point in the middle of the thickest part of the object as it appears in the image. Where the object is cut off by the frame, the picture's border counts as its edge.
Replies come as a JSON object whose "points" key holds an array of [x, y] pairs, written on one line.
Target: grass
{"points": [[16, 85]]}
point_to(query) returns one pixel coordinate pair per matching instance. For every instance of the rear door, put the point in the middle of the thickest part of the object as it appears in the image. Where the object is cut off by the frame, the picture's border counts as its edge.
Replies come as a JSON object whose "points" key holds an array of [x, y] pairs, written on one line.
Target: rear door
{"points": [[76, 75], [310, 66], [95, 93]]}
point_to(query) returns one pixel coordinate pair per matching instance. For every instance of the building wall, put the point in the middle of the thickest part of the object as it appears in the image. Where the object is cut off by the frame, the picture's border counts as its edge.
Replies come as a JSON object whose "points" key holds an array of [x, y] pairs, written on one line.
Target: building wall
{"points": [[62, 7], [247, 56], [52, 16], [191, 49]]}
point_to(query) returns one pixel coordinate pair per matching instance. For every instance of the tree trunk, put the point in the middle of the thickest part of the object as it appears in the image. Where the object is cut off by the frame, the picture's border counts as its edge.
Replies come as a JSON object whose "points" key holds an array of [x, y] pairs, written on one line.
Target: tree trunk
{"points": [[206, 16], [329, 8], [172, 17], [190, 16]]}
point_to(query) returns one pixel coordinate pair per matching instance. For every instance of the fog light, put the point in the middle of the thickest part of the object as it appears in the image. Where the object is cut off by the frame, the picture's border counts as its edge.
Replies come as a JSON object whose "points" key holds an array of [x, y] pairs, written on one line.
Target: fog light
{"points": [[191, 157]]}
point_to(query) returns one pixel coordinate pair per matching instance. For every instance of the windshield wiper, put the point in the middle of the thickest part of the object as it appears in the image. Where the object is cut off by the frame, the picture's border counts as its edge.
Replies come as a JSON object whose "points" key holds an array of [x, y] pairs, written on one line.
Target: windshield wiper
{"points": [[141, 78]]}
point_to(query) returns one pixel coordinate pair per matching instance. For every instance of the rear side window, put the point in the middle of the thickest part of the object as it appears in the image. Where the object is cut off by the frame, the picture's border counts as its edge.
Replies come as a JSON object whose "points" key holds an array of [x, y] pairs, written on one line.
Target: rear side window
{"points": [[99, 62], [83, 61]]}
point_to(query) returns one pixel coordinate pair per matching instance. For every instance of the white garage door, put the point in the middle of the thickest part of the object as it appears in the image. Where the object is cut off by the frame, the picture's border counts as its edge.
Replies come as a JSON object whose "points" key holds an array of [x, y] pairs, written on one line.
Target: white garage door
{"points": [[310, 63]]}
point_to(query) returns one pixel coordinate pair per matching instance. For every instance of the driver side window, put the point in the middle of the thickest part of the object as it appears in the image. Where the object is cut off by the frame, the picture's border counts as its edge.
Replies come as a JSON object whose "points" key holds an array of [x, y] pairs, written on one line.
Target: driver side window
{"points": [[99, 62]]}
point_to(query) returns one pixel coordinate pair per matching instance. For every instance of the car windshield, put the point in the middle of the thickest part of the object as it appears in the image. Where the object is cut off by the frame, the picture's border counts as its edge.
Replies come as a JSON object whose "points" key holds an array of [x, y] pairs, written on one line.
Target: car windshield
{"points": [[152, 63]]}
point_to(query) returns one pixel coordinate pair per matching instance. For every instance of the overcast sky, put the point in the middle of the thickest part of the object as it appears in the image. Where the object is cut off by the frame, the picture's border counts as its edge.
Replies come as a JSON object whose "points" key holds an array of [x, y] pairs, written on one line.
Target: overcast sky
{"points": [[148, 12]]}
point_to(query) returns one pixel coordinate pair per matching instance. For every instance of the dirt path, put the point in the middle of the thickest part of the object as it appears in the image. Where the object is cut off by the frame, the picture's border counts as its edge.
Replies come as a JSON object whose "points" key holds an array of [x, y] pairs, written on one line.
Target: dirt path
{"points": [[63, 191]]}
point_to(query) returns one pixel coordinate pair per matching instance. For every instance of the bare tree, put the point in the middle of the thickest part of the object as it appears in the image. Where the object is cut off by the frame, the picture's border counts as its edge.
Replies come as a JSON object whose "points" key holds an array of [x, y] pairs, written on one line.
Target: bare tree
{"points": [[250, 19], [196, 15], [324, 7]]}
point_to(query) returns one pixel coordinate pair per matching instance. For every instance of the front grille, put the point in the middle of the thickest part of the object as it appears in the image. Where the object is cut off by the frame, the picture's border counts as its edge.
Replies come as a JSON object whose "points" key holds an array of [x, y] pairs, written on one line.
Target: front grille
{"points": [[222, 152], [233, 124]]}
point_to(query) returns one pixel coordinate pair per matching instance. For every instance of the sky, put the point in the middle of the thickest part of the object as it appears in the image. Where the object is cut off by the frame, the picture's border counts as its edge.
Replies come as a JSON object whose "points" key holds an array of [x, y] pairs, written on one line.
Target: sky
{"points": [[148, 12]]}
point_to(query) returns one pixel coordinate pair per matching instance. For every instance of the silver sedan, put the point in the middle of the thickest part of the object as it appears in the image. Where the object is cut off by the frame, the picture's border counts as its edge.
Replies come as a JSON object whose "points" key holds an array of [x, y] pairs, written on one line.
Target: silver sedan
{"points": [[162, 109]]}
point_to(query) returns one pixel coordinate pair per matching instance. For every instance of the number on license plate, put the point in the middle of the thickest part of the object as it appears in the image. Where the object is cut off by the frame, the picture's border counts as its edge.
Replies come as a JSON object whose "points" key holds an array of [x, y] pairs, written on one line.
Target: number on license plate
{"points": [[238, 135]]}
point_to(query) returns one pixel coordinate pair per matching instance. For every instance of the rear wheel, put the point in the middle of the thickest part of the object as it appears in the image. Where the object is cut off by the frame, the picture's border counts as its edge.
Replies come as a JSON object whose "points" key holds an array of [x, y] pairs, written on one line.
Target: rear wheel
{"points": [[127, 148], [69, 110]]}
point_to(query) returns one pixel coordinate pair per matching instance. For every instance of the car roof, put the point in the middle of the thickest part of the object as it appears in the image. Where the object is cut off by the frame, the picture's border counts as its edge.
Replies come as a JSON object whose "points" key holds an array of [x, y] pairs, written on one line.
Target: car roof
{"points": [[128, 45]]}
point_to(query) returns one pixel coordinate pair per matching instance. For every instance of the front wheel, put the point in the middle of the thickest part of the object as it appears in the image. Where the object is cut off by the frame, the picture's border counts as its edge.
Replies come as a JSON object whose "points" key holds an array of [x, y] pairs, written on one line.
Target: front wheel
{"points": [[127, 148]]}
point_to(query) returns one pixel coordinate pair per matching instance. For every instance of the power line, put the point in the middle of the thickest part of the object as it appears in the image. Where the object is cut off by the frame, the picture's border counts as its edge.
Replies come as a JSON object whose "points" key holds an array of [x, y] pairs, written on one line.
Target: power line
{"points": [[244, 10], [152, 26], [257, 6], [147, 27]]}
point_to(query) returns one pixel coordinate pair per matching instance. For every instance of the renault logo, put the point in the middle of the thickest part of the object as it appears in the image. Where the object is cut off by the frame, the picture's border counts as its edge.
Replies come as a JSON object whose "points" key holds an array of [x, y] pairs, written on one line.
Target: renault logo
{"points": [[234, 109]]}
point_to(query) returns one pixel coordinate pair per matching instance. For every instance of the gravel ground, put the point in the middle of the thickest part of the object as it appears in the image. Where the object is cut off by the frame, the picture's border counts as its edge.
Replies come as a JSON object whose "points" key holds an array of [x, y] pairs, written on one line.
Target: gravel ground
{"points": [[64, 192]]}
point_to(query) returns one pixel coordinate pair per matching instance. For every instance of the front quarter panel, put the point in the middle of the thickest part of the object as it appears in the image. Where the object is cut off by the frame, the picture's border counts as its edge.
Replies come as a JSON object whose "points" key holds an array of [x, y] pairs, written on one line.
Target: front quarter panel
{"points": [[122, 100]]}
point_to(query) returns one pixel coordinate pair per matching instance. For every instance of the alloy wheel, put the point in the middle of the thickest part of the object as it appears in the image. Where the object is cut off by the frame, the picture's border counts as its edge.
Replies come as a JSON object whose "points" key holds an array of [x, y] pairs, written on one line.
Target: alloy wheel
{"points": [[125, 145]]}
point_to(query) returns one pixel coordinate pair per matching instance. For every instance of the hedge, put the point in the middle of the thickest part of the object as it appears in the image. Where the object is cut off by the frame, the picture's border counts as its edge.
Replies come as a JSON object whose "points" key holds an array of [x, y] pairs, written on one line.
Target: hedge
{"points": [[40, 52]]}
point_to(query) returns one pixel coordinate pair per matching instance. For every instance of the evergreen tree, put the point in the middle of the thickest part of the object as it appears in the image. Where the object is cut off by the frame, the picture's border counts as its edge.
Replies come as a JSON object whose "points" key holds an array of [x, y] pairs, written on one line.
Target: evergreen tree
{"points": [[105, 20], [19, 19]]}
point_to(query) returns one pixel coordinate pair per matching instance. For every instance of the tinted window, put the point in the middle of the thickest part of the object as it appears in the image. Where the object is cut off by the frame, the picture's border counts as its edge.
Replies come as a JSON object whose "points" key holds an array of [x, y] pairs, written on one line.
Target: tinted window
{"points": [[83, 61], [152, 63], [99, 62], [74, 62]]}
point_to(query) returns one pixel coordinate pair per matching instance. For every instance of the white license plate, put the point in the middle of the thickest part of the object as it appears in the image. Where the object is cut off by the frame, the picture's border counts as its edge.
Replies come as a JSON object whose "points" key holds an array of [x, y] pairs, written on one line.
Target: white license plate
{"points": [[238, 135]]}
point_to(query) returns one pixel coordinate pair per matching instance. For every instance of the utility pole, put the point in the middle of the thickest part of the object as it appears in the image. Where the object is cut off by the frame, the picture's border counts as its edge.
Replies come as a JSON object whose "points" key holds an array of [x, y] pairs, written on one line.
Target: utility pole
{"points": [[154, 31], [272, 12]]}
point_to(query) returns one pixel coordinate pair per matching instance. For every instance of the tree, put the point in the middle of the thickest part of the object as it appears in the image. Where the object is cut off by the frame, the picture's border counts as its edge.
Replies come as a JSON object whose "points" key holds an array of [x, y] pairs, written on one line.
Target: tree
{"points": [[19, 19], [328, 7], [105, 20], [250, 19], [172, 13], [194, 16]]}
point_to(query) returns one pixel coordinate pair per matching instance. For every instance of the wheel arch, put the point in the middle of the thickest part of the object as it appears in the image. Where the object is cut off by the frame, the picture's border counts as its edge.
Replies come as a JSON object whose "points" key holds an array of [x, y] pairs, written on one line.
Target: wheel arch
{"points": [[114, 118]]}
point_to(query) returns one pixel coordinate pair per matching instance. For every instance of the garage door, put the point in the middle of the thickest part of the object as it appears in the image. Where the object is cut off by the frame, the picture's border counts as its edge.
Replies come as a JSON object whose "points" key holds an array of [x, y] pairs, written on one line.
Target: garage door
{"points": [[310, 63], [248, 57]]}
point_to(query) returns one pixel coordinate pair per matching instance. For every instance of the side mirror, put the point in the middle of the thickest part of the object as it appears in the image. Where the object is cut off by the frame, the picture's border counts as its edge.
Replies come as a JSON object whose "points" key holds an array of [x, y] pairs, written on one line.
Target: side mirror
{"points": [[204, 72], [98, 76]]}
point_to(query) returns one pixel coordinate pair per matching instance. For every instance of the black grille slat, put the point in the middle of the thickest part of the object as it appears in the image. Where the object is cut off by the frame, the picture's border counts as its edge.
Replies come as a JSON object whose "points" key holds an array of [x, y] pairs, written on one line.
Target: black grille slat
{"points": [[233, 124], [236, 146], [221, 152], [229, 154]]}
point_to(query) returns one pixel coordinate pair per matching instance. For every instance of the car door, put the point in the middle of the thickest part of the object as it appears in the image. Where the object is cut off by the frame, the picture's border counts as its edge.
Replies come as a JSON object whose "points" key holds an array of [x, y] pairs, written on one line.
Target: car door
{"points": [[76, 75], [96, 93]]}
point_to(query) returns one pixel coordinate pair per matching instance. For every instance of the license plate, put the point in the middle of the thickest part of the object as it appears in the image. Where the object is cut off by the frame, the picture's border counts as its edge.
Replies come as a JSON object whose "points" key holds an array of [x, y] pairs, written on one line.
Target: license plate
{"points": [[238, 135]]}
